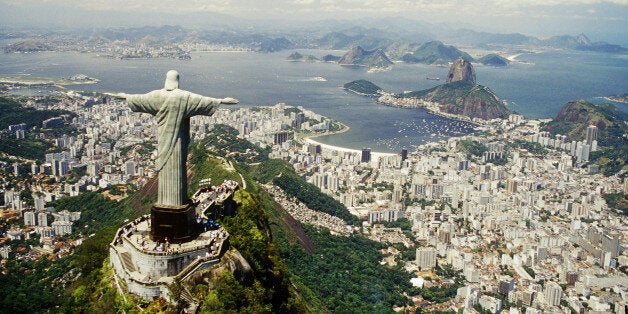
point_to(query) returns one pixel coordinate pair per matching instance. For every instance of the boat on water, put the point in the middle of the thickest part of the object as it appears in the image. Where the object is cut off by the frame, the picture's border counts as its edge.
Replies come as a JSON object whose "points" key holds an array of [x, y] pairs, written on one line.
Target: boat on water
{"points": [[433, 78], [318, 79]]}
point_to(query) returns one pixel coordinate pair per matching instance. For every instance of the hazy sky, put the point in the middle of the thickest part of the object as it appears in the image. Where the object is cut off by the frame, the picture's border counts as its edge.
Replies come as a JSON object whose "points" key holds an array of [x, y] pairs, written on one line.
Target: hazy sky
{"points": [[530, 17]]}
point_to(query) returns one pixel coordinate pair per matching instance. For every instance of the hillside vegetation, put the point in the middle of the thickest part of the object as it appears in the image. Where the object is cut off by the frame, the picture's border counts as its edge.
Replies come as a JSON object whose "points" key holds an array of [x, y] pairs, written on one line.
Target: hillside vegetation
{"points": [[462, 98], [435, 52], [574, 118], [363, 87]]}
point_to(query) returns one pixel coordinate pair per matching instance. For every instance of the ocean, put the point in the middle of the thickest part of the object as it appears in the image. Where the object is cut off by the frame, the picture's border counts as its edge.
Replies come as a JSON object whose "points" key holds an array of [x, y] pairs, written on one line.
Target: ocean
{"points": [[537, 88]]}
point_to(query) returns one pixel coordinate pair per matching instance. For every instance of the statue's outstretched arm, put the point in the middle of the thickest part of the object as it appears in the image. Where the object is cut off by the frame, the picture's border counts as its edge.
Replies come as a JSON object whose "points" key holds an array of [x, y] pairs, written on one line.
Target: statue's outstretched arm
{"points": [[121, 96], [148, 103], [202, 105], [229, 101]]}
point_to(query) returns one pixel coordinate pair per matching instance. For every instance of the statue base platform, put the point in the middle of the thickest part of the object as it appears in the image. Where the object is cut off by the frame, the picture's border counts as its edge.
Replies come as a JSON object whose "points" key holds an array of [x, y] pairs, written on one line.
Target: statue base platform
{"points": [[174, 223], [148, 267]]}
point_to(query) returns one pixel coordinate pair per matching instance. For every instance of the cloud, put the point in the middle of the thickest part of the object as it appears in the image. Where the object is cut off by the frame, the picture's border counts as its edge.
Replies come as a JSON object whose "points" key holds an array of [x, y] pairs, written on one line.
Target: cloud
{"points": [[549, 16], [236, 7]]}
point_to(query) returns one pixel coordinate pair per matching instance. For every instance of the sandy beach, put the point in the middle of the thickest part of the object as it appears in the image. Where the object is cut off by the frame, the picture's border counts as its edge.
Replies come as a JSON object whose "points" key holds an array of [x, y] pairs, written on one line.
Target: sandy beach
{"points": [[326, 147]]}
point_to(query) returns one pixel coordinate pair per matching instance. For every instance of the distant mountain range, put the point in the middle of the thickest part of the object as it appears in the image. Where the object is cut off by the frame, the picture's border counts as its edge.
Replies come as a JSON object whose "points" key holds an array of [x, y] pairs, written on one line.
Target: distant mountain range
{"points": [[397, 38]]}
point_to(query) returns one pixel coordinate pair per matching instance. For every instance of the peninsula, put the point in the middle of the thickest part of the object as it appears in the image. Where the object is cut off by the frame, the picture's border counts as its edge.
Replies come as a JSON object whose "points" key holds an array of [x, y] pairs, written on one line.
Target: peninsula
{"points": [[27, 80], [460, 98], [623, 98]]}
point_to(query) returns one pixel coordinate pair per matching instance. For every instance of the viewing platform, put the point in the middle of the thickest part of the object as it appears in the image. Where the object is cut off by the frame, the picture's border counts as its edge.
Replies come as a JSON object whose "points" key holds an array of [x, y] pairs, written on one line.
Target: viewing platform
{"points": [[149, 265]]}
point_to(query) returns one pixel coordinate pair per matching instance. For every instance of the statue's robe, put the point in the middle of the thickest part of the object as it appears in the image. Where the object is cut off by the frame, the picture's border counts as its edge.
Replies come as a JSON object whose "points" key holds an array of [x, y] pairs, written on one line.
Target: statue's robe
{"points": [[172, 109]]}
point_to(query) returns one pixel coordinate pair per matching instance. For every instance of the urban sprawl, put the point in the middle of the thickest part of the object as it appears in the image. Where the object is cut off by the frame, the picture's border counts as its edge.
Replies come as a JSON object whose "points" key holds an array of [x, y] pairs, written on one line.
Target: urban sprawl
{"points": [[530, 225]]}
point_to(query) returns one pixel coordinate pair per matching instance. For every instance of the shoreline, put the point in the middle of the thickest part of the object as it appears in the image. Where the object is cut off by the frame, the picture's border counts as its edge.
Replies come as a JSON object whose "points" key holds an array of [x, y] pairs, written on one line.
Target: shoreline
{"points": [[613, 99], [374, 155], [310, 139], [27, 80], [430, 111], [304, 137]]}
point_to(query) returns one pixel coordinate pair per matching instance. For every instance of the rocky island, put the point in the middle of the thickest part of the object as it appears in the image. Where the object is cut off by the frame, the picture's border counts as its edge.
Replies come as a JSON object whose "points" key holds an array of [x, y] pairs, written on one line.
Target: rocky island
{"points": [[298, 57], [360, 57]]}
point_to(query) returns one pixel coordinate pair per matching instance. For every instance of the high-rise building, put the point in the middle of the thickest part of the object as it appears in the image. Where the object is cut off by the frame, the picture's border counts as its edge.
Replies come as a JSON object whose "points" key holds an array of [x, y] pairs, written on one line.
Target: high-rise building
{"points": [[511, 186], [42, 219], [553, 293], [591, 134], [92, 168], [30, 219], [62, 227], [281, 137], [129, 168], [506, 284], [366, 155], [404, 154], [314, 149], [610, 243], [426, 258]]}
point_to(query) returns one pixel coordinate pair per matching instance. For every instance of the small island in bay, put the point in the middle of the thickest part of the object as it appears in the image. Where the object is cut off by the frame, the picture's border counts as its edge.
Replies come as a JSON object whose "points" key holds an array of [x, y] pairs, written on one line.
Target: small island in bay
{"points": [[298, 57], [494, 60], [360, 57], [363, 87]]}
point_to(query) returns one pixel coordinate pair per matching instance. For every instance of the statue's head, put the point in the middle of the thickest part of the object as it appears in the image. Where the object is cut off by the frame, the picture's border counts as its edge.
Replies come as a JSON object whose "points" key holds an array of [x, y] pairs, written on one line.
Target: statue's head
{"points": [[172, 80]]}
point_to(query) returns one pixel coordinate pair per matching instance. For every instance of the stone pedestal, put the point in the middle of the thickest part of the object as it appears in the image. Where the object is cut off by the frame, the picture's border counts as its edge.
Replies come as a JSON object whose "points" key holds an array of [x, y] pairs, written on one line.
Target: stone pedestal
{"points": [[149, 267], [177, 223]]}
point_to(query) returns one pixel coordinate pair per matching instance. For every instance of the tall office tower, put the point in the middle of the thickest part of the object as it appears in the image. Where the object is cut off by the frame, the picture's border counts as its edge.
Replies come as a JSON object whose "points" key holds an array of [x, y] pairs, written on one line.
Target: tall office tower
{"points": [[591, 134]]}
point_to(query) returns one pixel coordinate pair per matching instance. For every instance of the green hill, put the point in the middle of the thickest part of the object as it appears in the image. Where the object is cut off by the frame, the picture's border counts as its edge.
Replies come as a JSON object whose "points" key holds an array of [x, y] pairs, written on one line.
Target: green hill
{"points": [[29, 45], [13, 113], [358, 56], [462, 98], [363, 87], [575, 116], [494, 60], [30, 147], [435, 52]]}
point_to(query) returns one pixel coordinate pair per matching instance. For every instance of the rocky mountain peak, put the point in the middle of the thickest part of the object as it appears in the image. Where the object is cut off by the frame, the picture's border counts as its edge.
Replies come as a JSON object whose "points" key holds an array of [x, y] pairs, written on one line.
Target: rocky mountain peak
{"points": [[461, 70]]}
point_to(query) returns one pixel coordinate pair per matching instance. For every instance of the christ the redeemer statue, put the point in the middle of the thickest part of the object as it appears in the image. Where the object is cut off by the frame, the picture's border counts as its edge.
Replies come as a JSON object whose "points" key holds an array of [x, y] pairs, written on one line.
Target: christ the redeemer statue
{"points": [[172, 107]]}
